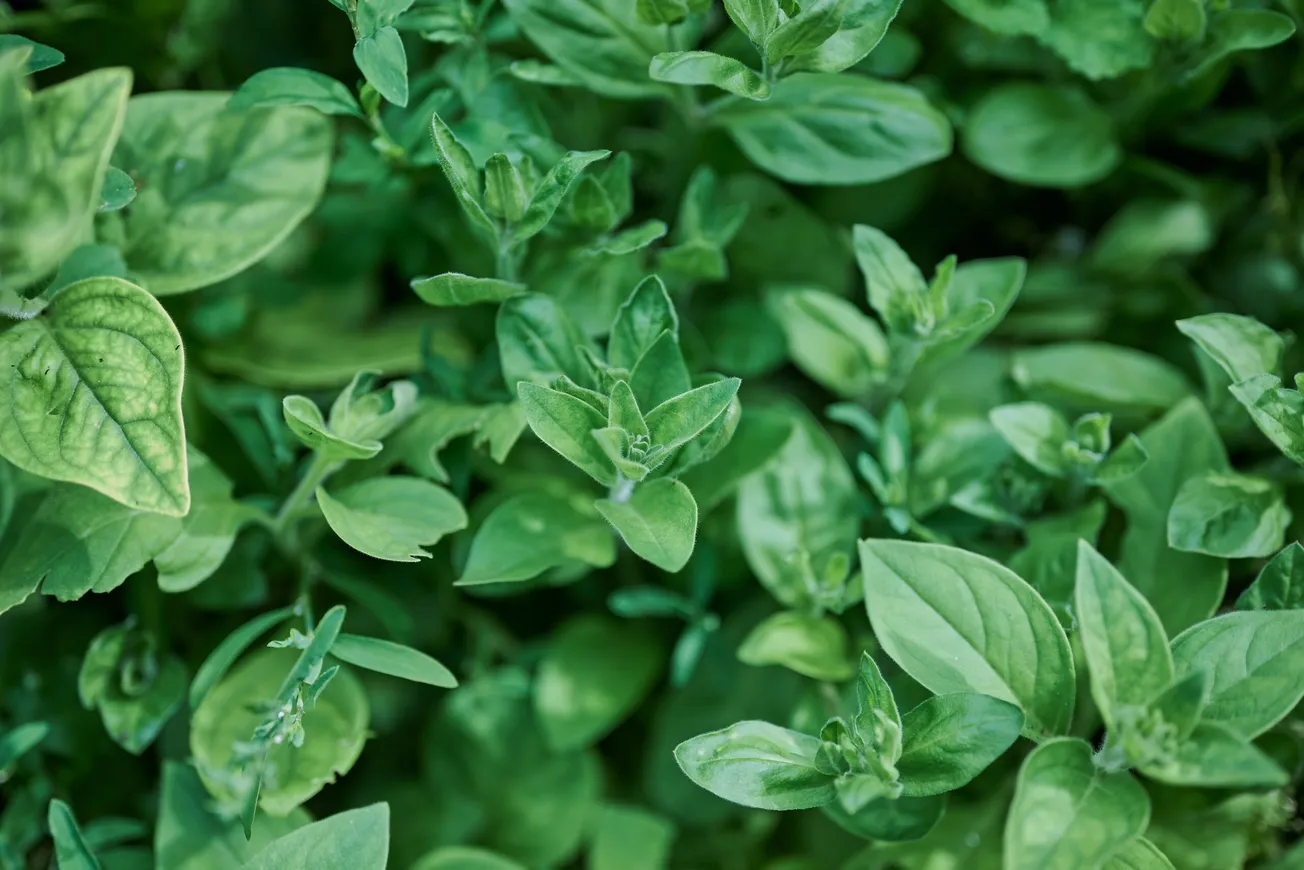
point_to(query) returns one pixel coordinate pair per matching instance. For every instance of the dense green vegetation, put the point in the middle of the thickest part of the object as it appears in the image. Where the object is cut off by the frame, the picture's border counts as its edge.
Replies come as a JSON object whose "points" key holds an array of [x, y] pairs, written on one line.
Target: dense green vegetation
{"points": [[651, 434]]}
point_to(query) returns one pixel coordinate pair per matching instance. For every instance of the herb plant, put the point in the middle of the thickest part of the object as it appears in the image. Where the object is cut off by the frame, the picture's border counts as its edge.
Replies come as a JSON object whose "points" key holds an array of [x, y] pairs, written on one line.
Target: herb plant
{"points": [[651, 435]]}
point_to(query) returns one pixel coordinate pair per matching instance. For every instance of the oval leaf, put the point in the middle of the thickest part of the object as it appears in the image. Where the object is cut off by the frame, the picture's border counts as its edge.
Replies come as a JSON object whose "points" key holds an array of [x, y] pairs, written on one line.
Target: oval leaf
{"points": [[93, 391], [759, 765], [959, 622], [392, 518]]}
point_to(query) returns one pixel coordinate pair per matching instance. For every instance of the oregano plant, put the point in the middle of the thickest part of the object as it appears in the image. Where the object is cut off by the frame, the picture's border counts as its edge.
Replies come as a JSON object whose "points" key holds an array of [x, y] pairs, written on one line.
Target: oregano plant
{"points": [[651, 435]]}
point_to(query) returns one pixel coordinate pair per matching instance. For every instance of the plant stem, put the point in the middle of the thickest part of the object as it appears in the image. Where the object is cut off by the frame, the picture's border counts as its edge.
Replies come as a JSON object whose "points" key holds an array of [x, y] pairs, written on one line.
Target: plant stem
{"points": [[621, 490], [318, 470], [505, 261]]}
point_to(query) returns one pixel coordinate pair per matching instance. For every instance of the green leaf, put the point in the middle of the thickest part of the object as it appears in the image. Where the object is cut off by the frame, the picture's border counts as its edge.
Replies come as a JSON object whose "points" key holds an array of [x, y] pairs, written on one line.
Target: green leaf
{"points": [[629, 838], [890, 820], [191, 837], [593, 675], [677, 421], [219, 189], [950, 739], [117, 192], [798, 515], [600, 42], [374, 14], [116, 428], [893, 282], [864, 24], [505, 195], [661, 373], [1212, 756], [806, 31], [1176, 20], [1277, 411], [1037, 432], [814, 646], [1184, 588], [531, 533], [539, 342], [79, 541], [931, 607], [758, 765], [566, 424], [996, 282], [1236, 30], [1146, 234], [756, 18], [70, 847], [1100, 40], [292, 86], [464, 858], [661, 11], [1068, 813], [219, 661], [830, 340], [208, 532], [56, 154], [306, 422], [394, 659], [462, 173], [351, 840], [1140, 854], [383, 63], [42, 57], [658, 522], [1124, 641], [1228, 515], [635, 238], [552, 190], [335, 729], [392, 518], [1280, 585], [640, 322], [821, 128], [1242, 346], [1041, 135], [454, 288], [135, 688], [18, 741], [1099, 377], [877, 726], [708, 68], [1014, 19], [88, 261], [1256, 659]]}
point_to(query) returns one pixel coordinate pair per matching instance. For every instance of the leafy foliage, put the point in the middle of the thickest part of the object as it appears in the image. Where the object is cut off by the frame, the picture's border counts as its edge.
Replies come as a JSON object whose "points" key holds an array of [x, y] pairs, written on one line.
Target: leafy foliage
{"points": [[651, 435]]}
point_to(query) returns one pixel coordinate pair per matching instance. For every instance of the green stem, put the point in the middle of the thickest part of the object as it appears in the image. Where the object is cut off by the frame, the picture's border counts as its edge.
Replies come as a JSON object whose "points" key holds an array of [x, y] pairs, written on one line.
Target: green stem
{"points": [[505, 260], [318, 470]]}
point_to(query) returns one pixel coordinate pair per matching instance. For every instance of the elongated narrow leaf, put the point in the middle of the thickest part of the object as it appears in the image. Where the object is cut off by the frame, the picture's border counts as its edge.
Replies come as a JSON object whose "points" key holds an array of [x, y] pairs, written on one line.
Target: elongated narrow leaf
{"points": [[232, 646], [70, 845], [552, 189], [453, 288], [395, 659], [1125, 643], [708, 68]]}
